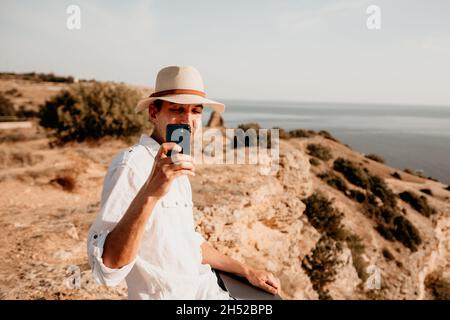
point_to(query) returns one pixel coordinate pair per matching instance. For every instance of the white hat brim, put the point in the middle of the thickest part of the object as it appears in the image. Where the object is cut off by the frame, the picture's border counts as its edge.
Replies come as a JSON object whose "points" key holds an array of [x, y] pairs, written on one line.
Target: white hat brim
{"points": [[181, 99]]}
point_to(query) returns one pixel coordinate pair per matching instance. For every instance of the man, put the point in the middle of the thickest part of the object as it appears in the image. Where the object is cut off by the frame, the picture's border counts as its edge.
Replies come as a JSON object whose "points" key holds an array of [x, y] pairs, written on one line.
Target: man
{"points": [[144, 232]]}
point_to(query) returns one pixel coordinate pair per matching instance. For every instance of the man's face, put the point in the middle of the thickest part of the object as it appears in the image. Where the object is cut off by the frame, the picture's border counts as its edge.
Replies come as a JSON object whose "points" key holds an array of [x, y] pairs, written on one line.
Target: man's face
{"points": [[169, 113]]}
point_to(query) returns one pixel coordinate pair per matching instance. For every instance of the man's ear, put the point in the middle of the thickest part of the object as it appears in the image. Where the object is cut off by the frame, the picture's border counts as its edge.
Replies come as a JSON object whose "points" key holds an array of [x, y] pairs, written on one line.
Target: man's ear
{"points": [[152, 111]]}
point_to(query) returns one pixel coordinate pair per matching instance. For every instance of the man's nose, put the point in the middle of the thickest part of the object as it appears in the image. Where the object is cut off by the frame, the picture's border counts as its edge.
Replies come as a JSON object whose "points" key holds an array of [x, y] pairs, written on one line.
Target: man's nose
{"points": [[186, 118]]}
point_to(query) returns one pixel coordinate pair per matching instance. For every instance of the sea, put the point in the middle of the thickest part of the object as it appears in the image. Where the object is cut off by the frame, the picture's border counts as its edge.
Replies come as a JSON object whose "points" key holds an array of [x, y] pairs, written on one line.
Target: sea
{"points": [[406, 136]]}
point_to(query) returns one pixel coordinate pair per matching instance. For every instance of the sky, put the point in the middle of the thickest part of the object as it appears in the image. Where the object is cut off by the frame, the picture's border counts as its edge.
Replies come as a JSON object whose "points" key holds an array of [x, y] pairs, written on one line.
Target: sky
{"points": [[253, 50]]}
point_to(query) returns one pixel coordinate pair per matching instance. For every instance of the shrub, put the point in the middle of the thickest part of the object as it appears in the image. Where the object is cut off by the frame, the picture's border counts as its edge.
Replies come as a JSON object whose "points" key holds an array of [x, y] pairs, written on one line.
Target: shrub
{"points": [[6, 107], [351, 172], [385, 232], [387, 254], [438, 286], [282, 134], [25, 113], [405, 232], [251, 125], [47, 77], [375, 157], [396, 175], [338, 183], [419, 203], [417, 173], [319, 151], [322, 263], [391, 225], [357, 196], [314, 161], [361, 177], [427, 191], [67, 182], [91, 111], [322, 215], [382, 191], [387, 214], [13, 92], [333, 180], [301, 133], [327, 135]]}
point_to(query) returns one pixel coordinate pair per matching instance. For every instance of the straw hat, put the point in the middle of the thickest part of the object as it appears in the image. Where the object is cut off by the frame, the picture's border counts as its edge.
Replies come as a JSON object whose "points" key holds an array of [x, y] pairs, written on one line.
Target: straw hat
{"points": [[183, 85]]}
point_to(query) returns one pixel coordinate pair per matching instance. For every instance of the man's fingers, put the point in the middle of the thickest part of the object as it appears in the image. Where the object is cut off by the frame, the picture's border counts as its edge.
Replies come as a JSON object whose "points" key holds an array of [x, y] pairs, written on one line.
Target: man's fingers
{"points": [[183, 172], [268, 288], [165, 147], [180, 157], [176, 159], [182, 165], [170, 168], [273, 282]]}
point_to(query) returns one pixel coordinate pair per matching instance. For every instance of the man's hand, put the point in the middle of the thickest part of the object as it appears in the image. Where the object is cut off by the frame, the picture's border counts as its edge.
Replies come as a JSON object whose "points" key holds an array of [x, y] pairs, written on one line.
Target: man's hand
{"points": [[264, 280], [165, 169]]}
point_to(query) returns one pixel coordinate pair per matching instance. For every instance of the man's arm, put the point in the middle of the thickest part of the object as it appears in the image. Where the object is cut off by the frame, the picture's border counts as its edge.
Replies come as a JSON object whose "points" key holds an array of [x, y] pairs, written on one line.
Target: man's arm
{"points": [[122, 243], [259, 278]]}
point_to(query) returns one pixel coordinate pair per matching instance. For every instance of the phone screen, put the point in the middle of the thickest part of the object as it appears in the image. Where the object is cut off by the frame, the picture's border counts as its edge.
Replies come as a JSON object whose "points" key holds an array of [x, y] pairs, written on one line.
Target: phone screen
{"points": [[181, 135]]}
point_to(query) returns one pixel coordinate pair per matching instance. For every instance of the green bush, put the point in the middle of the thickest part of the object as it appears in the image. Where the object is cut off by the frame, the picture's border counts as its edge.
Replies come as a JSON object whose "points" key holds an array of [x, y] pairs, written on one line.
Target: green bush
{"points": [[375, 157], [385, 232], [405, 232], [438, 286], [46, 77], [419, 203], [92, 111], [322, 216], [382, 191], [387, 254], [352, 172], [319, 151], [301, 133], [282, 134], [322, 263], [25, 113], [314, 161], [6, 107], [333, 180], [327, 135], [427, 191], [362, 178], [357, 196], [396, 175]]}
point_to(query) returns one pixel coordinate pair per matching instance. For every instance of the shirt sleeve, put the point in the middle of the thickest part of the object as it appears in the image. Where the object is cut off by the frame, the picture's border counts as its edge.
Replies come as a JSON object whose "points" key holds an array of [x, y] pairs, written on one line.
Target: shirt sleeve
{"points": [[119, 190], [200, 239]]}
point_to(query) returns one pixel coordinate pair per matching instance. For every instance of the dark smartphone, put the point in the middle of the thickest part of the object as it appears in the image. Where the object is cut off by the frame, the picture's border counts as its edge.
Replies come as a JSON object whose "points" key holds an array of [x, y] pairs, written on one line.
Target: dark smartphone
{"points": [[181, 135]]}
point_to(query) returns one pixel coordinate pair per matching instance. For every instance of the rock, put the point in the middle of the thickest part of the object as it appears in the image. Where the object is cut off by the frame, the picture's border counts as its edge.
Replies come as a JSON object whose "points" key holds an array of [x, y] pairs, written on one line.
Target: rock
{"points": [[346, 280], [215, 120]]}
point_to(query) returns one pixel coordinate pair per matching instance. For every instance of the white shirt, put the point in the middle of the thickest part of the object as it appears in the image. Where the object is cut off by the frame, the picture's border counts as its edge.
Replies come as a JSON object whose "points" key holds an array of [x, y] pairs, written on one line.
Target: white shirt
{"points": [[169, 261]]}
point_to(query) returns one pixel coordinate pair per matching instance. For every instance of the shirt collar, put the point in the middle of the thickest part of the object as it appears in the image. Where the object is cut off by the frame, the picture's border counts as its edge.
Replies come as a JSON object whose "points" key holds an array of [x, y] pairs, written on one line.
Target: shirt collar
{"points": [[151, 144]]}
